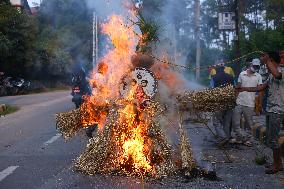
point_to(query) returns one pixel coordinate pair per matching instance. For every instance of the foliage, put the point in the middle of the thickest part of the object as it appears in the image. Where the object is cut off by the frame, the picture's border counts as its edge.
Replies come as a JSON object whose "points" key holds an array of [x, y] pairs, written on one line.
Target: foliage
{"points": [[65, 37], [261, 27], [17, 36], [60, 36], [149, 30]]}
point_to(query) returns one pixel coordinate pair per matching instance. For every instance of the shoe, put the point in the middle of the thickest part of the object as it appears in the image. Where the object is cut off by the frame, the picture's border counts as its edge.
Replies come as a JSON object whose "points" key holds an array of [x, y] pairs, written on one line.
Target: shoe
{"points": [[235, 141], [277, 162], [273, 169], [248, 143], [223, 143], [89, 132]]}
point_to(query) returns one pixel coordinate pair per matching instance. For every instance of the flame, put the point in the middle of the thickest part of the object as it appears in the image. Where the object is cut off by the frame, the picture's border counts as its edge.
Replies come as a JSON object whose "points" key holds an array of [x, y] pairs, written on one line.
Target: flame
{"points": [[134, 141], [131, 133], [105, 80]]}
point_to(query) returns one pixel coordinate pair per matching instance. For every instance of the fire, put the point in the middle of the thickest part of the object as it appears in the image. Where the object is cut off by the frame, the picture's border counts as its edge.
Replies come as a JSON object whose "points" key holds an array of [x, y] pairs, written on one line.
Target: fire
{"points": [[105, 80], [131, 131], [134, 141]]}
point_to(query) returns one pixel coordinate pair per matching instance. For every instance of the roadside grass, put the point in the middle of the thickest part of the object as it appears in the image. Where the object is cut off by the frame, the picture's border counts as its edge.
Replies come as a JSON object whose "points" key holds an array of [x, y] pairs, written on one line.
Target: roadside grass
{"points": [[9, 110]]}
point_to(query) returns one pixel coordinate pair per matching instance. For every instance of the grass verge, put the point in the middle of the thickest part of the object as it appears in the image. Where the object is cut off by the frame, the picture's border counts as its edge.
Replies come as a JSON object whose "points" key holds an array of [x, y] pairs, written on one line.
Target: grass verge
{"points": [[9, 110]]}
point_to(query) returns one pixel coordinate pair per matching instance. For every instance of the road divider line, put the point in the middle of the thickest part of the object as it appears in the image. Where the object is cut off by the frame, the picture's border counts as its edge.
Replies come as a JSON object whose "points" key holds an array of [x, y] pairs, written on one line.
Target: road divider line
{"points": [[7, 172], [53, 139]]}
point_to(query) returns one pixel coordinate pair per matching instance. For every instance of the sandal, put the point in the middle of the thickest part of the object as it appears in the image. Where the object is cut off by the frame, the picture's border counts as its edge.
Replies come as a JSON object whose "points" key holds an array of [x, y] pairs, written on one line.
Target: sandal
{"points": [[223, 143], [272, 170], [235, 141], [248, 144]]}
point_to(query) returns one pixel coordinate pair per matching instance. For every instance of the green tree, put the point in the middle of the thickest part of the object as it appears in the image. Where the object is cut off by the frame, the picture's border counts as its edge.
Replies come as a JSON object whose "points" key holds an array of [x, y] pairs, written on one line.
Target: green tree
{"points": [[17, 38], [65, 37]]}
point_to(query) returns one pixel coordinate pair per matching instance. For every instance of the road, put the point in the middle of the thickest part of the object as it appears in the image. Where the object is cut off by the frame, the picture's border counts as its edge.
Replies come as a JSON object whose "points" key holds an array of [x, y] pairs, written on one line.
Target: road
{"points": [[34, 156]]}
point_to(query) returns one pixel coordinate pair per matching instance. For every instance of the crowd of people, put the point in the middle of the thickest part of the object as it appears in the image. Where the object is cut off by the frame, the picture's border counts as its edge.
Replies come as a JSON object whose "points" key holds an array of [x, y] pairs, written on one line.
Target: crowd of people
{"points": [[260, 90]]}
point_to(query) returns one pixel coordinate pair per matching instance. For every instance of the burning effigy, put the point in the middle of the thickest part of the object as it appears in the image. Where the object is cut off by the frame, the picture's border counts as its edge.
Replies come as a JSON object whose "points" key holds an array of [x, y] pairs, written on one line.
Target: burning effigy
{"points": [[135, 100]]}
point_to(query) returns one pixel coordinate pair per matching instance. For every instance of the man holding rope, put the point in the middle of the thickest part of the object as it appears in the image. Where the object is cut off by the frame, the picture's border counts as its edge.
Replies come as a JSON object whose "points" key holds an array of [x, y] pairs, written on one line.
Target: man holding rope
{"points": [[275, 106], [246, 100]]}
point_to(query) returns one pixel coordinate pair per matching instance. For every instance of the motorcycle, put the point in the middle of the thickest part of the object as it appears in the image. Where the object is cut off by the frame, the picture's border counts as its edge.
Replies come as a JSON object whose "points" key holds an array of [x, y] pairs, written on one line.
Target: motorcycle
{"points": [[78, 100], [16, 86], [77, 96]]}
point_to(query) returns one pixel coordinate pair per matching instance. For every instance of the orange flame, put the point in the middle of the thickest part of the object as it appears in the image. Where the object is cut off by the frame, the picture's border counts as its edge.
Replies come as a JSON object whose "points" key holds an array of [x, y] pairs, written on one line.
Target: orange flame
{"points": [[105, 80], [134, 141], [132, 147]]}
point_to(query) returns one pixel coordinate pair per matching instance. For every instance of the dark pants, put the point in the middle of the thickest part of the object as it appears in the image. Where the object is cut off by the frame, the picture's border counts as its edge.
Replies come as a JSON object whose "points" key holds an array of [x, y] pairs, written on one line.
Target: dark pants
{"points": [[264, 100], [273, 124], [222, 123]]}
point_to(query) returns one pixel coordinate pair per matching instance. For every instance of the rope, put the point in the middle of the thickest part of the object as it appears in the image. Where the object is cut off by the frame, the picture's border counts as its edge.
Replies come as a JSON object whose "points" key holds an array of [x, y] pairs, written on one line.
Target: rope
{"points": [[204, 67]]}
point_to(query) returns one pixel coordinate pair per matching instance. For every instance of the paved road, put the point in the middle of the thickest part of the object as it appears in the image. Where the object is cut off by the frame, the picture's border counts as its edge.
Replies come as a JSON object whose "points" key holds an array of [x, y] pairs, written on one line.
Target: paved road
{"points": [[34, 156], [30, 148]]}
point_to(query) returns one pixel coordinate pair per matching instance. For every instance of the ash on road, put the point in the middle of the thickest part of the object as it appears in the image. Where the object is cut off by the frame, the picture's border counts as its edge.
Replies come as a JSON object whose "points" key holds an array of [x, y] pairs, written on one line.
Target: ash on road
{"points": [[34, 156]]}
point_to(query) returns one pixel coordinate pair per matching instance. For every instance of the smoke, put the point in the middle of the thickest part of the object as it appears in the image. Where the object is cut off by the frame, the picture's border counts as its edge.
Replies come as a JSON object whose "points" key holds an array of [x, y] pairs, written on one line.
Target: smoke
{"points": [[106, 8], [173, 19], [171, 81]]}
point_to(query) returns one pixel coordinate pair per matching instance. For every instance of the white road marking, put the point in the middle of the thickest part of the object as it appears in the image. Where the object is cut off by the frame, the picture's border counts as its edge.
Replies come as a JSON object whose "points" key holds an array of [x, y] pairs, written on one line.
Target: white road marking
{"points": [[7, 172], [53, 139]]}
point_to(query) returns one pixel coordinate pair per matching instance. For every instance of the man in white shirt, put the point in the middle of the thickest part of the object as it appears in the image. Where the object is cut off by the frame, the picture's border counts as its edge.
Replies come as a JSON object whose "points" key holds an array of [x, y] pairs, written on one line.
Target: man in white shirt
{"points": [[246, 100]]}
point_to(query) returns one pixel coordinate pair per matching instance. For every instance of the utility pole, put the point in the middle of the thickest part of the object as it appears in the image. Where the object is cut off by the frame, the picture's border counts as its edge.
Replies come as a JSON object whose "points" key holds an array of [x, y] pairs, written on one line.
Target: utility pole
{"points": [[238, 47], [197, 38], [95, 40]]}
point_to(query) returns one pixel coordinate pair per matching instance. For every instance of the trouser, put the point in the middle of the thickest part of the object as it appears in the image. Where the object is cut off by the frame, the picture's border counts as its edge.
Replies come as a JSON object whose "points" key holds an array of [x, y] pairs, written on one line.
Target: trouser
{"points": [[273, 125], [264, 100], [247, 112], [222, 123]]}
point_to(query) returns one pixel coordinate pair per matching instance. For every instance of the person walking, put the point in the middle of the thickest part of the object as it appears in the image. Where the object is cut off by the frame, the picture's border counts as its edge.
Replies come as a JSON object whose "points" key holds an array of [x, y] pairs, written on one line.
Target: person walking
{"points": [[246, 101], [222, 120]]}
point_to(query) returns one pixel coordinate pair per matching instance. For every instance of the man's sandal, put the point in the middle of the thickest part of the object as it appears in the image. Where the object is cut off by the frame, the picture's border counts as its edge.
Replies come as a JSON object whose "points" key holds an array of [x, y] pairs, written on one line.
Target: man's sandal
{"points": [[273, 170], [248, 144]]}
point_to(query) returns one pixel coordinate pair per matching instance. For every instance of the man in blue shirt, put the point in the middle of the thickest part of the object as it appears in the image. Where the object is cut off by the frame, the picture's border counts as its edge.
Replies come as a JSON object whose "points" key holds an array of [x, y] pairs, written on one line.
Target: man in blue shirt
{"points": [[222, 120]]}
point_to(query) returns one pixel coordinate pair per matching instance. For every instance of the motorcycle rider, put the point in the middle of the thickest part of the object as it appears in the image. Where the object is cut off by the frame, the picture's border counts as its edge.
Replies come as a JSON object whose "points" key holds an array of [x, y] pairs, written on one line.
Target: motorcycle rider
{"points": [[79, 81]]}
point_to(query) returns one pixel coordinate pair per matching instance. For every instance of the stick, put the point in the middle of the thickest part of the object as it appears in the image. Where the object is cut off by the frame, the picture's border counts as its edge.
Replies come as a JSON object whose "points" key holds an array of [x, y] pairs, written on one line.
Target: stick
{"points": [[215, 135], [142, 182]]}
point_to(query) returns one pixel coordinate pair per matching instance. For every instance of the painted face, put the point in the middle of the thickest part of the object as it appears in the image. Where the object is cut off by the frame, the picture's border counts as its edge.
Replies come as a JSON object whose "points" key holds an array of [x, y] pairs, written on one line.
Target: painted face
{"points": [[133, 82], [144, 83]]}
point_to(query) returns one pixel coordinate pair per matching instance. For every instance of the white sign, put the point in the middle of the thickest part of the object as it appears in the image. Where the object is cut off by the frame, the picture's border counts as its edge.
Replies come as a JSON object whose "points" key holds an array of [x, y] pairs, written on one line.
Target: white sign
{"points": [[16, 2], [226, 21]]}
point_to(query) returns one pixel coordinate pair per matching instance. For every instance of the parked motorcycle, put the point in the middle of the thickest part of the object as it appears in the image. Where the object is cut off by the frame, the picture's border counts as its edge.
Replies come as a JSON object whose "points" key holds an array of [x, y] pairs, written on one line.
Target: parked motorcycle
{"points": [[13, 86], [16, 86]]}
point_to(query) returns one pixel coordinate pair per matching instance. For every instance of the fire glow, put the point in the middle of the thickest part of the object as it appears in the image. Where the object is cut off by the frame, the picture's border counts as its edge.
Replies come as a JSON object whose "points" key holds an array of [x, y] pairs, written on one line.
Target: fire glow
{"points": [[105, 80], [131, 143], [130, 115]]}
